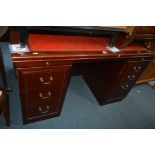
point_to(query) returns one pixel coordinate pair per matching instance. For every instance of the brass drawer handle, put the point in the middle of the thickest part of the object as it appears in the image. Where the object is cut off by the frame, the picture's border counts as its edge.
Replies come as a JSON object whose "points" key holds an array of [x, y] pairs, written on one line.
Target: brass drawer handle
{"points": [[44, 112], [126, 86], [44, 97], [137, 68], [131, 77], [49, 82]]}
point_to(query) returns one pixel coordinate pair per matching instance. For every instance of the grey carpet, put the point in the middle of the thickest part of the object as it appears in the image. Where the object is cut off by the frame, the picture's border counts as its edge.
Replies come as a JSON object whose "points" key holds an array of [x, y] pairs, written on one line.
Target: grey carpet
{"points": [[81, 110]]}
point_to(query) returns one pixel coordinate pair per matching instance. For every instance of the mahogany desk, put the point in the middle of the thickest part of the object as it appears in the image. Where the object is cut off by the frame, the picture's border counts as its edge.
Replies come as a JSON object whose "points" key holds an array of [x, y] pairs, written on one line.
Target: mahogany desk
{"points": [[44, 73]]}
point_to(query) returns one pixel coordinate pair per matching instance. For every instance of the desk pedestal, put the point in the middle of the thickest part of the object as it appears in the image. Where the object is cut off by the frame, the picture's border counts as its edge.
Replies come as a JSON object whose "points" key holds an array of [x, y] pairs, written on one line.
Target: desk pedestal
{"points": [[113, 82]]}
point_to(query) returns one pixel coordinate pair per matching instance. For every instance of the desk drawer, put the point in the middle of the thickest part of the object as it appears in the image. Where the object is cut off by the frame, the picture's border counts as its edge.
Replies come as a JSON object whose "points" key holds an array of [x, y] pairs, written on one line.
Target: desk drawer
{"points": [[40, 63], [135, 67], [39, 111], [120, 90], [42, 78], [38, 97]]}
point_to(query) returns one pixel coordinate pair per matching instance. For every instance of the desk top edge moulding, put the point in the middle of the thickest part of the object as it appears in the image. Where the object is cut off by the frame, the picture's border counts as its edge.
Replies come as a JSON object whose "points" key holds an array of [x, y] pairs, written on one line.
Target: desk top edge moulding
{"points": [[110, 59]]}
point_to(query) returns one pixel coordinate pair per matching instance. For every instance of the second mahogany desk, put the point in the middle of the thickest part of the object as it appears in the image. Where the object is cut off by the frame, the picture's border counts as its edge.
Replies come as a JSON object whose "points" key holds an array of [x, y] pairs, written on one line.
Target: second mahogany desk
{"points": [[44, 73]]}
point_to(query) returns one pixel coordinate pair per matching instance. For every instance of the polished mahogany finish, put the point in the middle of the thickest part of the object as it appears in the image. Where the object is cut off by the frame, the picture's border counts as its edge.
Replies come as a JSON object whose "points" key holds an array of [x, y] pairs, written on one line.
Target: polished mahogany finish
{"points": [[43, 74], [4, 107], [42, 91]]}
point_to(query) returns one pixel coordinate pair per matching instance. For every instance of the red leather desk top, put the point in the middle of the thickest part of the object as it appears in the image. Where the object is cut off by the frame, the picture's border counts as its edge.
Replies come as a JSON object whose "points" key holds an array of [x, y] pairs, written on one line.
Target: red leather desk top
{"points": [[45, 43]]}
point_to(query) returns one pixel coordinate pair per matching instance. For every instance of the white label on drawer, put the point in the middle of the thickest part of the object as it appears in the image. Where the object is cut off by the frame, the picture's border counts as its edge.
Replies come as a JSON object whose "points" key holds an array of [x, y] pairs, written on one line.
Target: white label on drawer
{"points": [[15, 48]]}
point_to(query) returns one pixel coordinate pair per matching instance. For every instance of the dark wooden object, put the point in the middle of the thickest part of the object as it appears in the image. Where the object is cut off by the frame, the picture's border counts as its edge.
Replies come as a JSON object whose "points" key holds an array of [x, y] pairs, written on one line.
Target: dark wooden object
{"points": [[44, 76], [117, 82], [4, 107], [14, 35], [42, 91]]}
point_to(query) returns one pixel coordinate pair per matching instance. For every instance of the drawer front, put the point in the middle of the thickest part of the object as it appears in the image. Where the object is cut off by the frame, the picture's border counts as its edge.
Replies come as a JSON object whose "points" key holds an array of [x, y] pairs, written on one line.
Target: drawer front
{"points": [[120, 90], [136, 67], [42, 78], [45, 79], [39, 63], [39, 111], [38, 97]]}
